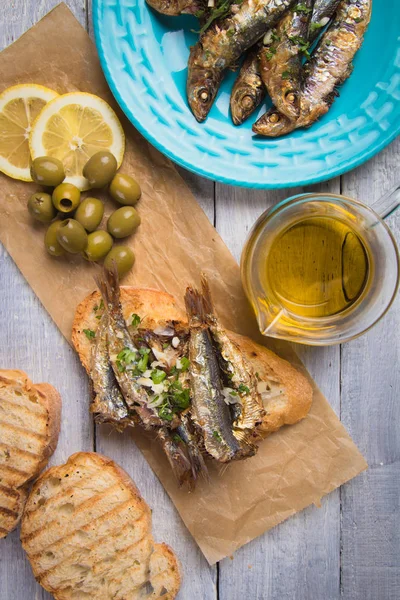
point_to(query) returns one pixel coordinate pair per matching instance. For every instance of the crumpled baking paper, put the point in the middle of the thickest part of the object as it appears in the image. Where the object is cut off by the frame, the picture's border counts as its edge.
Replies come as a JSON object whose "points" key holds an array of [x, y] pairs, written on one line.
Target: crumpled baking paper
{"points": [[294, 467]]}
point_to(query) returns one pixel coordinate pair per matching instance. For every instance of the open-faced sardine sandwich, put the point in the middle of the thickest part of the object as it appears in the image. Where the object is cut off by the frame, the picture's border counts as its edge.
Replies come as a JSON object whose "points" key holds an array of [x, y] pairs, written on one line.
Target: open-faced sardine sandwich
{"points": [[206, 393]]}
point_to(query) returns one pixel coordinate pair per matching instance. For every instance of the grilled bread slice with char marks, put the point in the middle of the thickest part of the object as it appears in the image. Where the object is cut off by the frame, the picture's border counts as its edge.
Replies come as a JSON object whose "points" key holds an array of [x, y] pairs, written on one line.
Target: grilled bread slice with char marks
{"points": [[87, 533], [285, 391], [29, 428]]}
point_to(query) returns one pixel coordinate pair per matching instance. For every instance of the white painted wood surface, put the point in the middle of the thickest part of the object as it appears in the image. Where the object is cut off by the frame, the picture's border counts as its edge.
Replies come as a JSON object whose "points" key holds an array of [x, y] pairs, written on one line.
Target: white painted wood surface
{"points": [[349, 548]]}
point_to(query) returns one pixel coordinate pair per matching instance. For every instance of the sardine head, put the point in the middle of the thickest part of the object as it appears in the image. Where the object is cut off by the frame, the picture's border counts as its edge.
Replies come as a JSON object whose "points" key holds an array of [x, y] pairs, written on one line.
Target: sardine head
{"points": [[243, 102], [202, 87], [273, 124]]}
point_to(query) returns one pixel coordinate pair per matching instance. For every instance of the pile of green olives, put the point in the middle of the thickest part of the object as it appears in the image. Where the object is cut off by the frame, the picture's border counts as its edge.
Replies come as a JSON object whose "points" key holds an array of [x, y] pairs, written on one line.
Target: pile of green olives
{"points": [[74, 222]]}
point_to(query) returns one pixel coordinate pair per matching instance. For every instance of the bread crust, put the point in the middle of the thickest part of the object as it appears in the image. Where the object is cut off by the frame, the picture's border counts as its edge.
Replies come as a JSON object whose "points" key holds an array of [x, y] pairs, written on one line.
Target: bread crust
{"points": [[45, 534], [157, 308], [13, 493]]}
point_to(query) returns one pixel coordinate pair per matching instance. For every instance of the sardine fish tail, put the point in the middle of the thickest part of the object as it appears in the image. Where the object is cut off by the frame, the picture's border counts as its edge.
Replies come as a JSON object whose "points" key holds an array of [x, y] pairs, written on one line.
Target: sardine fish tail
{"points": [[194, 306], [206, 294], [178, 461], [108, 284]]}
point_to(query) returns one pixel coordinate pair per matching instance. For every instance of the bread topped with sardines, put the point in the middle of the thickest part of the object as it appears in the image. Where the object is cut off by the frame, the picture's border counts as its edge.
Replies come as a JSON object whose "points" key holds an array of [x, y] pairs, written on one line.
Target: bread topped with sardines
{"points": [[29, 428], [206, 392]]}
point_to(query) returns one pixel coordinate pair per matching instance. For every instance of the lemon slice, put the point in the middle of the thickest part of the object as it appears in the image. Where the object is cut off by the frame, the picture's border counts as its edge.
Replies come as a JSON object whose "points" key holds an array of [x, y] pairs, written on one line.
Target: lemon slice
{"points": [[19, 107], [72, 128]]}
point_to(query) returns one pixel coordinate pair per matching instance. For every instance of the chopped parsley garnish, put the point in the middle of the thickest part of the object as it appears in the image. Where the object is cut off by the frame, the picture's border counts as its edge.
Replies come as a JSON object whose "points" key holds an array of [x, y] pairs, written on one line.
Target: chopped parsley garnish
{"points": [[328, 43], [177, 438], [97, 307], [243, 389], [286, 75], [90, 334], [158, 376], [315, 26], [221, 10], [144, 351], [125, 358], [135, 320], [143, 362], [302, 44], [302, 9], [217, 436], [270, 53], [358, 19], [178, 396], [164, 412], [274, 36], [185, 362]]}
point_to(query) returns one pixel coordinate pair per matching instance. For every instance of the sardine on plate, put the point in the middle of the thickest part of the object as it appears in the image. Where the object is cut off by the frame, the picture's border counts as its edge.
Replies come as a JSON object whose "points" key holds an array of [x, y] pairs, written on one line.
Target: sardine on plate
{"points": [[329, 67], [322, 13], [222, 45], [248, 90], [177, 7], [281, 59]]}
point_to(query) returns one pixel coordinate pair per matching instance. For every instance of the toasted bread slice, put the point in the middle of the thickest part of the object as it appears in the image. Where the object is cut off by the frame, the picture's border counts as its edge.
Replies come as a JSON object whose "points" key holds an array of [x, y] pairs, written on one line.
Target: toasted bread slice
{"points": [[87, 533], [29, 428], [286, 393]]}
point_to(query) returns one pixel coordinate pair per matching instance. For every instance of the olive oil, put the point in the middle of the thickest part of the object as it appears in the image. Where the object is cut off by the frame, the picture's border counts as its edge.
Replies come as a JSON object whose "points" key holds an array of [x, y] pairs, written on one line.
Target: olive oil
{"points": [[318, 267]]}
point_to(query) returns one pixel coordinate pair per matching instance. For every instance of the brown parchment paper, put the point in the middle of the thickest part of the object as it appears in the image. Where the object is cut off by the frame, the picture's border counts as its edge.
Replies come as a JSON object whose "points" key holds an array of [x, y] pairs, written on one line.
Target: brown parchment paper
{"points": [[294, 467]]}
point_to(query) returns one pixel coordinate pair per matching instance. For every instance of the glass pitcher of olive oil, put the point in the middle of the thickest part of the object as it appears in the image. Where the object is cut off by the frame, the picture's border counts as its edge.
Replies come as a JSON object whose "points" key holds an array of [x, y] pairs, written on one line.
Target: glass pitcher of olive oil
{"points": [[321, 269]]}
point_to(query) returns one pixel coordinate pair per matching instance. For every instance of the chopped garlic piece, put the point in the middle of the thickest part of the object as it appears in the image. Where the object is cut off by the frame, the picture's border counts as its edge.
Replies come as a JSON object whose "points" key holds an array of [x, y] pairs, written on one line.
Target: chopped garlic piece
{"points": [[175, 341], [168, 331]]}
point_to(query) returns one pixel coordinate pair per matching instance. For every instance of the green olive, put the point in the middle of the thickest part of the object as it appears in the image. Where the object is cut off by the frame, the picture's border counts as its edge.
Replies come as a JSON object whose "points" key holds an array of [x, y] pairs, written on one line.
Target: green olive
{"points": [[123, 222], [47, 171], [72, 236], [90, 213], [122, 257], [51, 242], [41, 207], [125, 190], [66, 197], [100, 169], [99, 244]]}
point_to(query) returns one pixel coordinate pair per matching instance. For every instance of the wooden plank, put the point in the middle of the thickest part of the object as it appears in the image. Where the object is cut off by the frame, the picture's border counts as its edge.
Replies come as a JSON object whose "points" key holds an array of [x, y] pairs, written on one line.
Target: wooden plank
{"points": [[371, 412], [300, 558], [18, 16], [30, 341]]}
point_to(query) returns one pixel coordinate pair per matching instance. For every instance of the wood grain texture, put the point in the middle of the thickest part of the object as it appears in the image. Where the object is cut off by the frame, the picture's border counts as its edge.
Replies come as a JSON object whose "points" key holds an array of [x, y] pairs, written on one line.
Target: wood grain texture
{"points": [[370, 381]]}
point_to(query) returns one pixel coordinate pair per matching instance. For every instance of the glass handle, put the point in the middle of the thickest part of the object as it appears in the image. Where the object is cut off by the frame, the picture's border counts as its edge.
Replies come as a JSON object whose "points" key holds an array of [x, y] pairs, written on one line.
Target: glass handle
{"points": [[387, 204]]}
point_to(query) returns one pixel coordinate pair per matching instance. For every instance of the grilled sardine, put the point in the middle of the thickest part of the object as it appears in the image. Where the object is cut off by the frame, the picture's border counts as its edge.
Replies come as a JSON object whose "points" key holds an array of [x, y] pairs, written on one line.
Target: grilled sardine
{"points": [[222, 45], [248, 91], [109, 405], [328, 68], [280, 59]]}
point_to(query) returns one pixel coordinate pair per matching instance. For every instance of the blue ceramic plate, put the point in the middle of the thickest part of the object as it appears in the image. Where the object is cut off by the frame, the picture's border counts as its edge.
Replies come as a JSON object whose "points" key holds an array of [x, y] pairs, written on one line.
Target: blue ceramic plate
{"points": [[144, 57]]}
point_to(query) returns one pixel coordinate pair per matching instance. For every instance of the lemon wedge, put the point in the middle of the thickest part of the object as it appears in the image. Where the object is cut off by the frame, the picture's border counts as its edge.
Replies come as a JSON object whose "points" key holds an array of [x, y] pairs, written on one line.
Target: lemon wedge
{"points": [[72, 128], [20, 105]]}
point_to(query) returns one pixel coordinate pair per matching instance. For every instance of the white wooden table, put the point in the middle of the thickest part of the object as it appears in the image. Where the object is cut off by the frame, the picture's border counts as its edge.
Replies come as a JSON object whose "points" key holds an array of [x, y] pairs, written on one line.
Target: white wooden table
{"points": [[347, 549]]}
